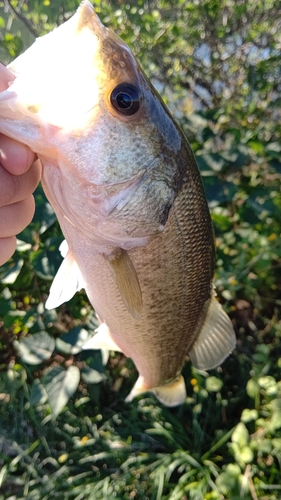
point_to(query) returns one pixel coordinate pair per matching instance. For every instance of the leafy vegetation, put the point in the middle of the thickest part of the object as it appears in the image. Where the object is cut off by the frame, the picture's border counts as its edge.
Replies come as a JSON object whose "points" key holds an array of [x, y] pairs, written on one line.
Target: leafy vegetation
{"points": [[64, 427]]}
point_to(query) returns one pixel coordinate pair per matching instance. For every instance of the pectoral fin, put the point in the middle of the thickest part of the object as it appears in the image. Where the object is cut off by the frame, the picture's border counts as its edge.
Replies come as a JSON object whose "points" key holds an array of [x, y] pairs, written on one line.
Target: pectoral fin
{"points": [[170, 394], [126, 279], [67, 281], [216, 339]]}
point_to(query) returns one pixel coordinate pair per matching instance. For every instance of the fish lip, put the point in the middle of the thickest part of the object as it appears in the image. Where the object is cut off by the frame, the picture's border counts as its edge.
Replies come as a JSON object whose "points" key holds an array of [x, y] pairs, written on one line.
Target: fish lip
{"points": [[87, 15]]}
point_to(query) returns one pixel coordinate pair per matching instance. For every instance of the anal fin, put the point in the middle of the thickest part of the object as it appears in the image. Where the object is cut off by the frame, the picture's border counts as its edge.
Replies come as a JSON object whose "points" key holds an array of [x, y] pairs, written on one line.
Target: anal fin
{"points": [[216, 339], [126, 279], [171, 394]]}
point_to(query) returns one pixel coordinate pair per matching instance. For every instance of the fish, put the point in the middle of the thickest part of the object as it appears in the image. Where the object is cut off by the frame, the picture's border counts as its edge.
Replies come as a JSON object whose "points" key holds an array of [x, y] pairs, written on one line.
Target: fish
{"points": [[129, 198]]}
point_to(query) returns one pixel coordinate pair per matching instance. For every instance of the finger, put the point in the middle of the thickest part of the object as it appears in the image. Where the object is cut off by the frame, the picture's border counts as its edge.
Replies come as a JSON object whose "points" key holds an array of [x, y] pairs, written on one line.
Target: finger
{"points": [[7, 248], [15, 157], [6, 77], [14, 218], [15, 188]]}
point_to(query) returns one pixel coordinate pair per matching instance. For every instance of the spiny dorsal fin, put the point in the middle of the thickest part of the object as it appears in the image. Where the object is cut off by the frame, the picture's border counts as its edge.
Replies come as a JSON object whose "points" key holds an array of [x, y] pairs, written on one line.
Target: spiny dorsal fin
{"points": [[216, 339], [171, 394], [126, 279]]}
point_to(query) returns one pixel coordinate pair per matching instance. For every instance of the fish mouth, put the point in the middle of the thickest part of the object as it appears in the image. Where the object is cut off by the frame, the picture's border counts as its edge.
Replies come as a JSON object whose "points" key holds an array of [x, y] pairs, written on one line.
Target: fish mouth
{"points": [[86, 16]]}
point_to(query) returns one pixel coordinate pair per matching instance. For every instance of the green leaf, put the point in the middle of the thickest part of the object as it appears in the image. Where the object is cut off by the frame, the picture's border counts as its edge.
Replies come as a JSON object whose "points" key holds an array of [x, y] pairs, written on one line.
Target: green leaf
{"points": [[43, 267], [95, 359], [246, 455], [269, 384], [227, 481], [22, 246], [213, 384], [275, 421], [240, 435], [264, 445], [252, 389], [218, 191], [211, 162], [72, 341], [10, 271], [44, 216], [38, 394], [249, 415], [91, 376], [276, 443], [60, 385], [36, 348], [256, 146]]}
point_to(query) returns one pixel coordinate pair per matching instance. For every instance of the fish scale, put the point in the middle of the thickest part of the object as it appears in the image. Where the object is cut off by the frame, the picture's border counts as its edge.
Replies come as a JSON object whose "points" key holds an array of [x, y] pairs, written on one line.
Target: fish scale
{"points": [[177, 243], [129, 198]]}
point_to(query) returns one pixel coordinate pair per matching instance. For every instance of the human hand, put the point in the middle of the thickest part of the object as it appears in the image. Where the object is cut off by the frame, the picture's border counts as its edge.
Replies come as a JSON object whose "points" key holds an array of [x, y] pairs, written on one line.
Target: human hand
{"points": [[19, 177]]}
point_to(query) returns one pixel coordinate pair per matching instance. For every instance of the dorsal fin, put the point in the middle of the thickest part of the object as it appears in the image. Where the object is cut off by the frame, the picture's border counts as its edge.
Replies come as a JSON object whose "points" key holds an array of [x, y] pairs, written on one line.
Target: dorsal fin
{"points": [[126, 279]]}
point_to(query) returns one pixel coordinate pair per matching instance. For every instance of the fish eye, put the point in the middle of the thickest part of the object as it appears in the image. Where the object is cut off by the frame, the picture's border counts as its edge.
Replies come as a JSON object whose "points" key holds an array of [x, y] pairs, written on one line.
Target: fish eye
{"points": [[126, 99]]}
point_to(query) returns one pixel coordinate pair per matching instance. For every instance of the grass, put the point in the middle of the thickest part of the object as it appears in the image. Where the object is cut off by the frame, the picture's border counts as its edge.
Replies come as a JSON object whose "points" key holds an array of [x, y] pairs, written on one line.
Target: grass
{"points": [[223, 443]]}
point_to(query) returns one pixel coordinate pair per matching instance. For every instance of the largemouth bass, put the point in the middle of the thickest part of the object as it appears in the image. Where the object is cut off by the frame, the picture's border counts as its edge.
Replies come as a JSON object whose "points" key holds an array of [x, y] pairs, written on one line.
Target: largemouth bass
{"points": [[128, 195]]}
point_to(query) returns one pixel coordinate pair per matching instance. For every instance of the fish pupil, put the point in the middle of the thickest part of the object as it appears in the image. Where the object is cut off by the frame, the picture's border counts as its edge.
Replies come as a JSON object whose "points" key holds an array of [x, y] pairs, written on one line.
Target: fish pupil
{"points": [[125, 99]]}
